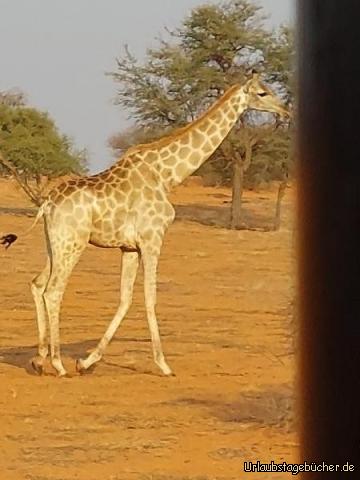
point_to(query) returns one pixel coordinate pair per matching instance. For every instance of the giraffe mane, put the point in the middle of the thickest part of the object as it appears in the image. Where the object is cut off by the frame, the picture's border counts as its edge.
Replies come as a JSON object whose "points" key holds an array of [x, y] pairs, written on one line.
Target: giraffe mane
{"points": [[163, 141]]}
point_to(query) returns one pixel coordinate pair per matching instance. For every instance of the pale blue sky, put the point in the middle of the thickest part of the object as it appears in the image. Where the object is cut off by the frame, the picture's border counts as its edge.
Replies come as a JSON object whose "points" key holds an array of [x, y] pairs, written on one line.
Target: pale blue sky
{"points": [[57, 52]]}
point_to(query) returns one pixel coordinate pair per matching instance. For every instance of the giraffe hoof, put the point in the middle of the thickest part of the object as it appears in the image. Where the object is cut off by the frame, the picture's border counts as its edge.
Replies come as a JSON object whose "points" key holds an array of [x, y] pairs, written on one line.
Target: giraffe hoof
{"points": [[166, 370], [64, 375], [80, 367], [37, 367]]}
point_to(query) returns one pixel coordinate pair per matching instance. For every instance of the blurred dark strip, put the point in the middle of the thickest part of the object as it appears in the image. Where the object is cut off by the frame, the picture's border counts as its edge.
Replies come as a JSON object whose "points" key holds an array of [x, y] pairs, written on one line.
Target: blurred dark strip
{"points": [[329, 231]]}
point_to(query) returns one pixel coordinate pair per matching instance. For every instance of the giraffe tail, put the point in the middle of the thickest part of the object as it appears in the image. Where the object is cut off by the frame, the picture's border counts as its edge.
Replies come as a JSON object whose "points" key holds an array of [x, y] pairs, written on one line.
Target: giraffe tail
{"points": [[10, 238]]}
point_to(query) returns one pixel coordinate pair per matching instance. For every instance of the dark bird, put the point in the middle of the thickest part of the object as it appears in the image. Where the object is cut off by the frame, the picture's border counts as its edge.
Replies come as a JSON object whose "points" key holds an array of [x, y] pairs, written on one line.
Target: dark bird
{"points": [[8, 239]]}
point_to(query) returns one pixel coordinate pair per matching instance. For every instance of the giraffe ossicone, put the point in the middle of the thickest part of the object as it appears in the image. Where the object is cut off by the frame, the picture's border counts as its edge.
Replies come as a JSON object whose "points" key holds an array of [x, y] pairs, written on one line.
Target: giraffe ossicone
{"points": [[127, 207]]}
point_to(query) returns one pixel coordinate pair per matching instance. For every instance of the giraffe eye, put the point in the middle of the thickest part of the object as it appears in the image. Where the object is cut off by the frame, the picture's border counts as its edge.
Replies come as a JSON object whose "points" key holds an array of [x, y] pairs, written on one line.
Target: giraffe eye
{"points": [[262, 94]]}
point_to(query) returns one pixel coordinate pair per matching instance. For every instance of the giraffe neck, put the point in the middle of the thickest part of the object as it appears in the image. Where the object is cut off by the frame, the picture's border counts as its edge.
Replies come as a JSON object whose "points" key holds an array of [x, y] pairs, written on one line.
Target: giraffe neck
{"points": [[178, 156]]}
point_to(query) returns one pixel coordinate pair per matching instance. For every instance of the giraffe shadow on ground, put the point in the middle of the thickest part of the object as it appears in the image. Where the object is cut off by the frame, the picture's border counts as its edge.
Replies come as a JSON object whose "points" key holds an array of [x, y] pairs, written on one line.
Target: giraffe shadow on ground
{"points": [[219, 216], [20, 356]]}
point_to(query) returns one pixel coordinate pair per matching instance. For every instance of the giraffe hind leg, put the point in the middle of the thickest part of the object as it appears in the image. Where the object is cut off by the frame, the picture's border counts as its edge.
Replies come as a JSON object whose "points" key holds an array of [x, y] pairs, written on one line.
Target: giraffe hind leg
{"points": [[62, 265], [38, 286]]}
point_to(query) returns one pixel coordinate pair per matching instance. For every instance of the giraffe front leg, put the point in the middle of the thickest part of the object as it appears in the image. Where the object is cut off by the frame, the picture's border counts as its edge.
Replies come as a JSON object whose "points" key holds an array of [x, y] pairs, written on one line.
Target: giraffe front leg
{"points": [[130, 263], [150, 261]]}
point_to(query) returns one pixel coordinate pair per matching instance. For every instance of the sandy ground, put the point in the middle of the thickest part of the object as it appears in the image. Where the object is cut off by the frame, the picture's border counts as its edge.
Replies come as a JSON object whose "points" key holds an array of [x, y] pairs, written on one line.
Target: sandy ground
{"points": [[224, 307]]}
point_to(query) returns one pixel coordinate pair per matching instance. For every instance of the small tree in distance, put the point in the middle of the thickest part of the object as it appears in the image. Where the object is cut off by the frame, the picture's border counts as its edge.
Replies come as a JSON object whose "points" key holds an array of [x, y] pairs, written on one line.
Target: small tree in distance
{"points": [[33, 150], [12, 98]]}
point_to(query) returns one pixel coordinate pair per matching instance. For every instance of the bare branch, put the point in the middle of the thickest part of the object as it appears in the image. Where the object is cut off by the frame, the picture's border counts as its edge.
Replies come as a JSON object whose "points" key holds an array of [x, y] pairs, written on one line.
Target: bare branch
{"points": [[23, 183]]}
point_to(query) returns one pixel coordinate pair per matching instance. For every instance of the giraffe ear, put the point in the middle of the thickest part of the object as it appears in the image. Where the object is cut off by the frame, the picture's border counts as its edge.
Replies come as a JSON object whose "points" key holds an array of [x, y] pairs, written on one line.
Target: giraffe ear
{"points": [[252, 75]]}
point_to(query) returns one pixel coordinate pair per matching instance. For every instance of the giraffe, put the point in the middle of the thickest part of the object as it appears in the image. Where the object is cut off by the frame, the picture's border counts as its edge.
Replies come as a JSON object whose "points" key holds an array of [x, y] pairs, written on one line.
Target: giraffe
{"points": [[126, 207]]}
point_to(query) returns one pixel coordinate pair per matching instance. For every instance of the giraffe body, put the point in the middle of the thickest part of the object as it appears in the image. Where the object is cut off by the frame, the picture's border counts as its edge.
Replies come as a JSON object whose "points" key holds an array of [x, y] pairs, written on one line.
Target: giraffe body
{"points": [[126, 207]]}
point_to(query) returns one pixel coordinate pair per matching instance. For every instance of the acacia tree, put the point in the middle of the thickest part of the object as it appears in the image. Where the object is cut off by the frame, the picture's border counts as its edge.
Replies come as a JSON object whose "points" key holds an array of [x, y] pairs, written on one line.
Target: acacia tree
{"points": [[33, 150], [215, 47]]}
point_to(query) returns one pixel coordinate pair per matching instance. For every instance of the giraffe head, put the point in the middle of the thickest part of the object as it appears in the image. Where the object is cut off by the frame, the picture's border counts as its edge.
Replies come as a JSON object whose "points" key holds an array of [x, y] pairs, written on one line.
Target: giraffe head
{"points": [[259, 97]]}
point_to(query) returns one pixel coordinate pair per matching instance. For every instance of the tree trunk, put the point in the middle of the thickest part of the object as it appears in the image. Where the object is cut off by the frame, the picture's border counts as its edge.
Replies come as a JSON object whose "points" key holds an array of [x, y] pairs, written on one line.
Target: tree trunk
{"points": [[280, 196], [237, 190]]}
